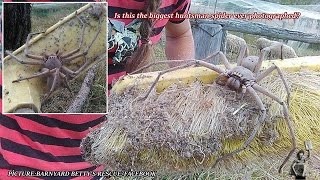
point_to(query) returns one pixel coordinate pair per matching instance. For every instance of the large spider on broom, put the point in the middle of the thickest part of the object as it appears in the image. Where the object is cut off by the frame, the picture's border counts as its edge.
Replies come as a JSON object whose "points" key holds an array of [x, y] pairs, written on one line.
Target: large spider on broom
{"points": [[53, 65], [243, 78]]}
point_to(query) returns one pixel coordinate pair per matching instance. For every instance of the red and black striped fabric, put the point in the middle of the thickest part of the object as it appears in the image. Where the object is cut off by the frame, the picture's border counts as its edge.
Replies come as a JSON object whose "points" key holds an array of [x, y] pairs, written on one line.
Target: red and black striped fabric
{"points": [[44, 143], [135, 7]]}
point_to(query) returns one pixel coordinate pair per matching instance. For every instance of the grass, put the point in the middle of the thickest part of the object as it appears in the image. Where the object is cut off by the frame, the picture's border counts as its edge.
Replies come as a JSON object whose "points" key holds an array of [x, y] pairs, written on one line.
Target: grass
{"points": [[97, 98], [43, 18]]}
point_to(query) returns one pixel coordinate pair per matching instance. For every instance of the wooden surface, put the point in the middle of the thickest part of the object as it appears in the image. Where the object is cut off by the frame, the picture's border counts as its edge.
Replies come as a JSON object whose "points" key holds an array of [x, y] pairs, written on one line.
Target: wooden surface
{"points": [[207, 39], [206, 75], [264, 30]]}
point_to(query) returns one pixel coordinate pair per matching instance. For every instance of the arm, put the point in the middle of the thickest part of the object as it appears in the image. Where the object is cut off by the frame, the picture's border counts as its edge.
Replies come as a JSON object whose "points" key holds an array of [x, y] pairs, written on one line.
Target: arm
{"points": [[292, 167], [179, 40], [308, 156]]}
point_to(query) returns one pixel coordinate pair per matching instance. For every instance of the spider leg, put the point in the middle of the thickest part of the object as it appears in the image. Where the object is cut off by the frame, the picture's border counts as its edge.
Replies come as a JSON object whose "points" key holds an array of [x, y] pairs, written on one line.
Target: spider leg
{"points": [[26, 49], [65, 81], [171, 61], [268, 71], [81, 41], [53, 86], [164, 72], [243, 52], [287, 117], [254, 131], [225, 60], [85, 52], [158, 62], [73, 73], [189, 63], [262, 55], [25, 62], [43, 73]]}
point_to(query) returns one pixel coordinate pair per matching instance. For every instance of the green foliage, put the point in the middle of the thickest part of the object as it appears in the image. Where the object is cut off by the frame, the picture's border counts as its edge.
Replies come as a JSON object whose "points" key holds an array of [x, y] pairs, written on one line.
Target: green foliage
{"points": [[44, 16]]}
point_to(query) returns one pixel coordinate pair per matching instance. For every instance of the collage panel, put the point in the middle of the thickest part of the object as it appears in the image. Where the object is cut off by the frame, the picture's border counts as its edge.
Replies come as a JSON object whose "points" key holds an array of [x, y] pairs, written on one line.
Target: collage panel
{"points": [[226, 102], [47, 145], [197, 89], [54, 58]]}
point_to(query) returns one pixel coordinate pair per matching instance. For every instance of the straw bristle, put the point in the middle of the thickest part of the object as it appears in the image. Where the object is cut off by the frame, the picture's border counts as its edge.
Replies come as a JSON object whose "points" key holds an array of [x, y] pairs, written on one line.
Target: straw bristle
{"points": [[184, 129]]}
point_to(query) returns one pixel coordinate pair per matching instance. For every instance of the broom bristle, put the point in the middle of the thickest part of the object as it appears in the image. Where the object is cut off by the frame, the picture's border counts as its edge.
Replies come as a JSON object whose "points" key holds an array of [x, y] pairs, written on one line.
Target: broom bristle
{"points": [[186, 128]]}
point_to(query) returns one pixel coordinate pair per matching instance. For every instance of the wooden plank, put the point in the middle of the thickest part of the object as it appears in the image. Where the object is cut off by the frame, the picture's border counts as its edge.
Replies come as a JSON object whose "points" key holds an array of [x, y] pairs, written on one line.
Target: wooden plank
{"points": [[207, 39], [263, 30], [207, 76]]}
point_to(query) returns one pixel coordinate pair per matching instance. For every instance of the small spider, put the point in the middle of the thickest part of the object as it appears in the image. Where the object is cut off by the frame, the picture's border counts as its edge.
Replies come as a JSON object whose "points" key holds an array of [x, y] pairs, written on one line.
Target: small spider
{"points": [[243, 78], [53, 65]]}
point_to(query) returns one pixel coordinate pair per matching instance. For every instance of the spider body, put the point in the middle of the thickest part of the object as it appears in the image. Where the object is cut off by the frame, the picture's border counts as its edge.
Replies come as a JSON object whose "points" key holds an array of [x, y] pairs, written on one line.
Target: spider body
{"points": [[237, 79], [243, 78], [251, 63], [53, 66], [52, 62]]}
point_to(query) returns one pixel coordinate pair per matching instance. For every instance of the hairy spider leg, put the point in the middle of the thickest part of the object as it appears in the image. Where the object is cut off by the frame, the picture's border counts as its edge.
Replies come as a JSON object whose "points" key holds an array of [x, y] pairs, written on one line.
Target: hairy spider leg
{"points": [[262, 55], [73, 73], [85, 52], [45, 72], [243, 52], [25, 62], [171, 61], [65, 81], [81, 41], [287, 117], [26, 49], [224, 60], [258, 125], [159, 62], [53, 86], [188, 64], [268, 71]]}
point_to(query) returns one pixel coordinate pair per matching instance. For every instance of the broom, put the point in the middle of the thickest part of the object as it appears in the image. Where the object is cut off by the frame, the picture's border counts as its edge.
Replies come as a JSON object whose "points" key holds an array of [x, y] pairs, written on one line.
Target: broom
{"points": [[181, 130]]}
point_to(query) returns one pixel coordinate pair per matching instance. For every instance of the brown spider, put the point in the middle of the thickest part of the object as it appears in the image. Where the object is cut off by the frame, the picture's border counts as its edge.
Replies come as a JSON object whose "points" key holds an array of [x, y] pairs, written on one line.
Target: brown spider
{"points": [[53, 65], [242, 78]]}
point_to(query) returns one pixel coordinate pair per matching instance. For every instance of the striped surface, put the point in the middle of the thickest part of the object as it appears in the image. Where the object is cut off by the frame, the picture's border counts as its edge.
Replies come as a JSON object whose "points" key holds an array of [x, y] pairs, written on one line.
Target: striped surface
{"points": [[44, 142]]}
